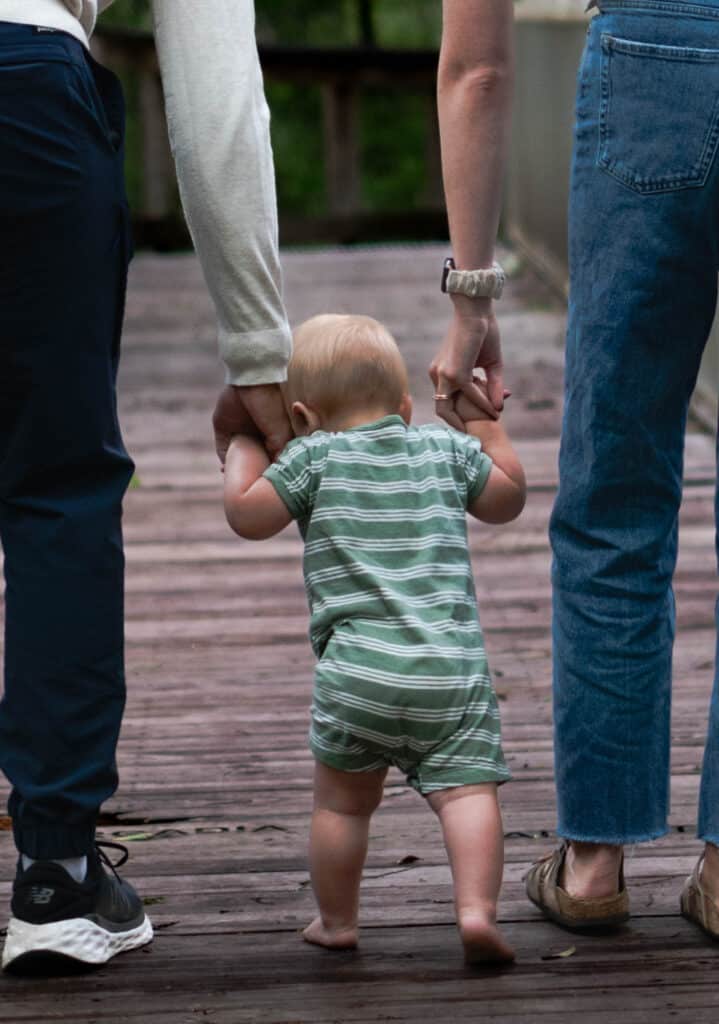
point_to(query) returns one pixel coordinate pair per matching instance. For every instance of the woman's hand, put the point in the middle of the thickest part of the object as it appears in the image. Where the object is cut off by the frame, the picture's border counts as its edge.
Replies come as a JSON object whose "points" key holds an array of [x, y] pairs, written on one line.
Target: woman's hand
{"points": [[472, 342]]}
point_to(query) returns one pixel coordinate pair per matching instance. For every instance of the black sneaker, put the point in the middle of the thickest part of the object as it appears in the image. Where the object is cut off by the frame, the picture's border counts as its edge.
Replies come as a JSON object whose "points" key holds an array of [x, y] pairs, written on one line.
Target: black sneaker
{"points": [[53, 916]]}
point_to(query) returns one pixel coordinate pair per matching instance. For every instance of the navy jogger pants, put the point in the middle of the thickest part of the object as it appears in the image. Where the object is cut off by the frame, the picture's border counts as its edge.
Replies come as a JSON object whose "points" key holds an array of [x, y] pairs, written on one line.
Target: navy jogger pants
{"points": [[64, 250]]}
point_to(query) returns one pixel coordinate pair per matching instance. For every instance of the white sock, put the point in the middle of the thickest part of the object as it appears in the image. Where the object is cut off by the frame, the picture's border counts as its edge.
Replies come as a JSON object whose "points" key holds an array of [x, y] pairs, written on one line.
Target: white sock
{"points": [[76, 867]]}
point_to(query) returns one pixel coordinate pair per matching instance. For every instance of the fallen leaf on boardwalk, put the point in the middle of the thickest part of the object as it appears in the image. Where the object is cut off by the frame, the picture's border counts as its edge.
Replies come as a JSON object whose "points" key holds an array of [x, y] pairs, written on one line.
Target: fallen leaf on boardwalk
{"points": [[5, 824], [150, 901], [135, 837], [123, 818], [560, 956], [409, 859]]}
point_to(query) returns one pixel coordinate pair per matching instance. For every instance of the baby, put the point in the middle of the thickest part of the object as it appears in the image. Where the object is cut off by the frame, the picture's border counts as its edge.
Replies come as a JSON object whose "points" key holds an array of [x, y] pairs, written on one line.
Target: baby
{"points": [[402, 676]]}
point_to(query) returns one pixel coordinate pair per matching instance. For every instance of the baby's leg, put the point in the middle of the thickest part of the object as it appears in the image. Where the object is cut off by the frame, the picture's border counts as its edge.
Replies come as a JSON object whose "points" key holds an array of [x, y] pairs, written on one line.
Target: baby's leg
{"points": [[472, 827], [344, 802]]}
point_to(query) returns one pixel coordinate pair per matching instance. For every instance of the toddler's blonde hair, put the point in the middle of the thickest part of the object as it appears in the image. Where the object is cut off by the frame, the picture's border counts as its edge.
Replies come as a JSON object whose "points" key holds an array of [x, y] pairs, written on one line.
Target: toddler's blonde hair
{"points": [[345, 362]]}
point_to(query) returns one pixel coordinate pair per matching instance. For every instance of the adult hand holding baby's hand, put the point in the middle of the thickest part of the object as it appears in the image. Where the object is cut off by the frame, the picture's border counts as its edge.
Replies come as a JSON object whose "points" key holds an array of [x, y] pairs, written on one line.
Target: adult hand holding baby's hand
{"points": [[258, 411], [467, 410], [472, 342]]}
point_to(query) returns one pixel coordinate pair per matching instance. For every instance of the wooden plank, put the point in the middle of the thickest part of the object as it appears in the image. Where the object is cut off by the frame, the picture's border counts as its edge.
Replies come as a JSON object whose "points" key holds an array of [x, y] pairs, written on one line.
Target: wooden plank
{"points": [[403, 974]]}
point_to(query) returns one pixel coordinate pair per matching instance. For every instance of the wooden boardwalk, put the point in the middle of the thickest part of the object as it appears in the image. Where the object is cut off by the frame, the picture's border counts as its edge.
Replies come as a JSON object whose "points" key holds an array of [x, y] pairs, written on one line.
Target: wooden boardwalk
{"points": [[216, 775]]}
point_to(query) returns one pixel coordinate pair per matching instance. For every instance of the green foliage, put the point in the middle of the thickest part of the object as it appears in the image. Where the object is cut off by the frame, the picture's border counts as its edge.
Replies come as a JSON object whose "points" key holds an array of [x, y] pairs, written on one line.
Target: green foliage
{"points": [[392, 147], [129, 13], [297, 146], [401, 23], [408, 23], [306, 22]]}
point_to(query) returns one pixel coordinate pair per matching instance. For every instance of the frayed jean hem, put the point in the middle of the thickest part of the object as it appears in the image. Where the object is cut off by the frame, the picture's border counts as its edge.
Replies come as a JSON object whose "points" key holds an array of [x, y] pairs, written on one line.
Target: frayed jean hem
{"points": [[612, 840], [703, 837]]}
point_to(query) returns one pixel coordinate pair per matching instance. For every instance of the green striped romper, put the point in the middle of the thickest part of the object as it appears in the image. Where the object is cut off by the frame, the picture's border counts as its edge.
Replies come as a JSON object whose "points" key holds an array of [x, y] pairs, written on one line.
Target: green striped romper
{"points": [[402, 677]]}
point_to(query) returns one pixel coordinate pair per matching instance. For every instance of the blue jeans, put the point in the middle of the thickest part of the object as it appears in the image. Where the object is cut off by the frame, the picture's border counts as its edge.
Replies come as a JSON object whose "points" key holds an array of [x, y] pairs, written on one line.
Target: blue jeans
{"points": [[63, 468], [644, 255]]}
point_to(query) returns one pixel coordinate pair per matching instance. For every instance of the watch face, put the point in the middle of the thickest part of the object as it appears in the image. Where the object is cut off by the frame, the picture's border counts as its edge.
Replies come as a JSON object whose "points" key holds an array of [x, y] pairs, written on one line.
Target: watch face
{"points": [[448, 265]]}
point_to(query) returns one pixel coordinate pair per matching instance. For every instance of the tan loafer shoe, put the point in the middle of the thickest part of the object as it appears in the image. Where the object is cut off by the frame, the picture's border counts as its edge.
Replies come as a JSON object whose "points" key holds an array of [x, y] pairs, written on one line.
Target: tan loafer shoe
{"points": [[573, 912], [697, 905]]}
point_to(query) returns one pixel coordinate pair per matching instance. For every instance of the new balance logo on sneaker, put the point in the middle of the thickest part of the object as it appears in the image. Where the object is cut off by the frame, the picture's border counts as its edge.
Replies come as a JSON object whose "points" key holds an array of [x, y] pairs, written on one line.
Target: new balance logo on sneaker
{"points": [[53, 916], [40, 895]]}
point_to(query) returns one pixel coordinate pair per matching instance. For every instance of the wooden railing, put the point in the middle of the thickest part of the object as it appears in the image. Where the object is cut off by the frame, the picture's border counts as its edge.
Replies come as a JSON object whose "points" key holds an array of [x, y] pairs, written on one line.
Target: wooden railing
{"points": [[342, 75]]}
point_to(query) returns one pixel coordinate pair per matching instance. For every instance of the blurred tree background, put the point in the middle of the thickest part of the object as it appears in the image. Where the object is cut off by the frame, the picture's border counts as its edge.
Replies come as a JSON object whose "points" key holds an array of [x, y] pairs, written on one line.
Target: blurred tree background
{"points": [[392, 148]]}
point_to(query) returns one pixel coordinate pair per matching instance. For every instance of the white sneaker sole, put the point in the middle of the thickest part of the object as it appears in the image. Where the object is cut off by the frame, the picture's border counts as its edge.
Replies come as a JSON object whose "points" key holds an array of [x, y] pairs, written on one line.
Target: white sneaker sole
{"points": [[76, 938]]}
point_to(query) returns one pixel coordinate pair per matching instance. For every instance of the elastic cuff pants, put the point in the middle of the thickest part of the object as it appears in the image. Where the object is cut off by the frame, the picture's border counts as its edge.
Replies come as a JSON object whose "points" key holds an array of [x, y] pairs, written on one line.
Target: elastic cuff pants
{"points": [[63, 467]]}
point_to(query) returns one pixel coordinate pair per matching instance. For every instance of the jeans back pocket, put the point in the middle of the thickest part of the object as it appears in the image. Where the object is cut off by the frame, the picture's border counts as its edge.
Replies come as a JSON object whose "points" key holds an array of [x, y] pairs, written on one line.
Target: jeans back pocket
{"points": [[659, 114]]}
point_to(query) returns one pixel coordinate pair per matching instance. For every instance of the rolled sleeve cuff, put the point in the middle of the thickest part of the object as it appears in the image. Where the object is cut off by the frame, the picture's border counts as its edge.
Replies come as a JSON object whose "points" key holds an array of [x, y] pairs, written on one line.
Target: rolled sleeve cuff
{"points": [[256, 357]]}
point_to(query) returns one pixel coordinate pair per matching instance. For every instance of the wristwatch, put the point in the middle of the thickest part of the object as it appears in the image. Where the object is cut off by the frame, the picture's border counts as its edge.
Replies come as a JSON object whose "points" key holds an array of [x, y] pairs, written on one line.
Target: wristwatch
{"points": [[476, 284]]}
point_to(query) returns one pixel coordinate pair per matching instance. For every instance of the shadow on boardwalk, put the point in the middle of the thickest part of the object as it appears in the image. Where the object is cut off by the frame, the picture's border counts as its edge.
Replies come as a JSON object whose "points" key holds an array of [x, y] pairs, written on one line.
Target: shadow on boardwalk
{"points": [[216, 775]]}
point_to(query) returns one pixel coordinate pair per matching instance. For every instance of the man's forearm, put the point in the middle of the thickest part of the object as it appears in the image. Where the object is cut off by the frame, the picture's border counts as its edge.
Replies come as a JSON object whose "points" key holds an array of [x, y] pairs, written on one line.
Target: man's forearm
{"points": [[474, 95], [219, 130]]}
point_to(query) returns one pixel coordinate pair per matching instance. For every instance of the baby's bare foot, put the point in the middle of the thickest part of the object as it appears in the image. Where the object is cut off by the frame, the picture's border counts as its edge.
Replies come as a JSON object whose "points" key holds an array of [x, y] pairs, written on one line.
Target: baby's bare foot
{"points": [[330, 938], [483, 941]]}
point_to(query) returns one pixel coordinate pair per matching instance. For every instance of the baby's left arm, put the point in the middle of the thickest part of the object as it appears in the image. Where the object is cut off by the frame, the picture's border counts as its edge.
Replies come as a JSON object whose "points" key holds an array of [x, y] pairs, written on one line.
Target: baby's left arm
{"points": [[253, 507]]}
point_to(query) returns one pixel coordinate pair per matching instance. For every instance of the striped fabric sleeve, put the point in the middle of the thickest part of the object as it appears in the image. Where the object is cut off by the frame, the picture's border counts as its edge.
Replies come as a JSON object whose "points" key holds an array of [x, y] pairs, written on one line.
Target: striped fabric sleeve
{"points": [[294, 477], [477, 465]]}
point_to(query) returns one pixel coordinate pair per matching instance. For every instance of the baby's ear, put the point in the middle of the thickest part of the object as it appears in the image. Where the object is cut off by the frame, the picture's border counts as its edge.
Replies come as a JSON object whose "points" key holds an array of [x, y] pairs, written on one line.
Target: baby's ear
{"points": [[304, 419], [405, 409]]}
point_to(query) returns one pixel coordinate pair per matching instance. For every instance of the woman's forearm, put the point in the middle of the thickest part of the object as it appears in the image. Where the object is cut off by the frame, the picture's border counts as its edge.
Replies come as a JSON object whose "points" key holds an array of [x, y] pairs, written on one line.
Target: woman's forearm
{"points": [[474, 95]]}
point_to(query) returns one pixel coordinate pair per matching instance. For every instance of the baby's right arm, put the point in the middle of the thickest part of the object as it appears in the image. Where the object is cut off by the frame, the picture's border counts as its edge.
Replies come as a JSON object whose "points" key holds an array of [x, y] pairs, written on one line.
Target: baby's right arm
{"points": [[503, 496], [253, 507]]}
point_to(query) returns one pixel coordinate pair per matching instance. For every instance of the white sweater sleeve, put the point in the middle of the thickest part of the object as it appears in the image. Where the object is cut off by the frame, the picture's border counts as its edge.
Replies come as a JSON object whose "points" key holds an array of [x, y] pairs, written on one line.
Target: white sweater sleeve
{"points": [[219, 132]]}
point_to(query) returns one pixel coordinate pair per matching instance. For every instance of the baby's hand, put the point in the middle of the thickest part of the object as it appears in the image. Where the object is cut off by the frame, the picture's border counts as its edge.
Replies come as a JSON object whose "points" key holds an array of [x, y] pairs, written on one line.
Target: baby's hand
{"points": [[467, 410]]}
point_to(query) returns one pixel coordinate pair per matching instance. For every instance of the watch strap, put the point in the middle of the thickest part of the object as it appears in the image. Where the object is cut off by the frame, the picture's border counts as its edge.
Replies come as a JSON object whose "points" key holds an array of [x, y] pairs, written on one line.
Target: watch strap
{"points": [[486, 283]]}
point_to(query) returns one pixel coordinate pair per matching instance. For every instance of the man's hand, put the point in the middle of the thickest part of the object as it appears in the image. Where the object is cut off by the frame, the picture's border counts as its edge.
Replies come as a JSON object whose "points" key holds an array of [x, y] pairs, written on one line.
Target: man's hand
{"points": [[257, 411], [472, 341]]}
